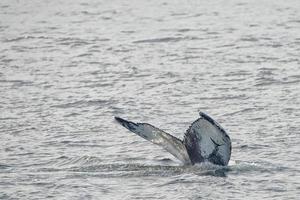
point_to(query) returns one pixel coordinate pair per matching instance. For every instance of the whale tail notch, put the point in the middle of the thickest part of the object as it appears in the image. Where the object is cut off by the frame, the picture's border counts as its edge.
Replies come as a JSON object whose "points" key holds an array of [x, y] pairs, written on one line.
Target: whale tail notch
{"points": [[168, 142]]}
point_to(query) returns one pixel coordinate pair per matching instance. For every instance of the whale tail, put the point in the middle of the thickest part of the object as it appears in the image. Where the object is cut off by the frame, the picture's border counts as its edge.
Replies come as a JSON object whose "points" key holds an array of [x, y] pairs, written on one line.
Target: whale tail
{"points": [[170, 143], [204, 141]]}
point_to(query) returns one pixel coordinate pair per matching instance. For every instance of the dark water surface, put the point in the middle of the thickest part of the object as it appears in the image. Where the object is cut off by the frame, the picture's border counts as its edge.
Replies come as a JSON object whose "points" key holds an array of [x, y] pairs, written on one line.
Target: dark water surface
{"points": [[68, 67]]}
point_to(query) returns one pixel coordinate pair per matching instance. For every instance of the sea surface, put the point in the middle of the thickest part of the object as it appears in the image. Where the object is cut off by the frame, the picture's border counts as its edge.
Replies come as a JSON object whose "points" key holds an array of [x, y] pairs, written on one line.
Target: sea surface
{"points": [[67, 67]]}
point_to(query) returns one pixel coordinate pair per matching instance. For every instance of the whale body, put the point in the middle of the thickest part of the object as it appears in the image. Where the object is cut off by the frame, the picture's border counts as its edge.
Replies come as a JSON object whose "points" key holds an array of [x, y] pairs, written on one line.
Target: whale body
{"points": [[204, 141]]}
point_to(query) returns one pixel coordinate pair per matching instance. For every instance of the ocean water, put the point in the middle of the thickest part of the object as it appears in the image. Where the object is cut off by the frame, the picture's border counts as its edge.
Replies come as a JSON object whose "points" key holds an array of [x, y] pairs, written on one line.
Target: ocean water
{"points": [[68, 67]]}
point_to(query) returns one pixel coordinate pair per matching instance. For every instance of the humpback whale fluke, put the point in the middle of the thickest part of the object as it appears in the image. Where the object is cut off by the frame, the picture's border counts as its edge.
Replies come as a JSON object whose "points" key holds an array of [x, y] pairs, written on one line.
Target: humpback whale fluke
{"points": [[204, 141]]}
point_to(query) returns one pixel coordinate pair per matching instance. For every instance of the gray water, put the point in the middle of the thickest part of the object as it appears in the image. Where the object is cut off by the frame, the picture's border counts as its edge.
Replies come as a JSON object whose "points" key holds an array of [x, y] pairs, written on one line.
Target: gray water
{"points": [[69, 67]]}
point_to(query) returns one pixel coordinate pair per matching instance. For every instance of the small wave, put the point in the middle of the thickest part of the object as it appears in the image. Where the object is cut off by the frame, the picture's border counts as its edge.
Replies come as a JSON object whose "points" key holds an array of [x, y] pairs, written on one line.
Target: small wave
{"points": [[82, 103], [24, 38], [244, 166], [244, 110], [17, 82], [157, 40], [164, 39], [4, 166], [249, 39], [67, 162], [253, 146], [8, 118]]}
